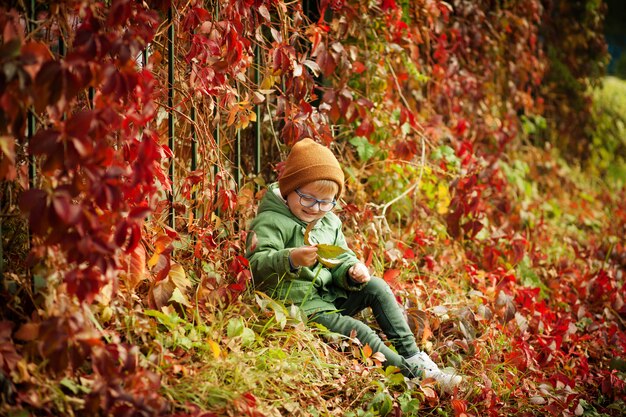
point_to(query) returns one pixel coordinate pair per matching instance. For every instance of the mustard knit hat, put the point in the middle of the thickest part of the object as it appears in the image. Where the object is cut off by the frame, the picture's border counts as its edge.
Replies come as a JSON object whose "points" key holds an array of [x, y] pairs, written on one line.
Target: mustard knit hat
{"points": [[309, 161]]}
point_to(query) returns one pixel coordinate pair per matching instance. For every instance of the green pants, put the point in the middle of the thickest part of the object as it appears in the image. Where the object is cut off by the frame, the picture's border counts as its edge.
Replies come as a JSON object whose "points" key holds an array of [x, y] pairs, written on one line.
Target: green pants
{"points": [[377, 295]]}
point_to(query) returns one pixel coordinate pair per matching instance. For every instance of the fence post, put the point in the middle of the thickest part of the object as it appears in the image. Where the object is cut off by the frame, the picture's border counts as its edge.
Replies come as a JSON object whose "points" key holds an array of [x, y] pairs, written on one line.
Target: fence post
{"points": [[217, 132], [170, 105], [257, 110], [30, 126], [30, 121]]}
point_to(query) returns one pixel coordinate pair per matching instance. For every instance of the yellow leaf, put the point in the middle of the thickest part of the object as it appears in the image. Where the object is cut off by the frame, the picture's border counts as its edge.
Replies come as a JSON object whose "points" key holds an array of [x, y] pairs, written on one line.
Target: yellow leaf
{"points": [[329, 251], [443, 198], [215, 348], [328, 263], [178, 276], [307, 232], [253, 117], [231, 116], [267, 83], [154, 259], [7, 146], [180, 298]]}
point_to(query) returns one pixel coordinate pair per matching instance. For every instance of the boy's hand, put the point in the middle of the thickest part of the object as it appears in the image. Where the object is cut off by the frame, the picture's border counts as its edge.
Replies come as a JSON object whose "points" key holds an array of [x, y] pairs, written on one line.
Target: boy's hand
{"points": [[303, 256], [359, 273]]}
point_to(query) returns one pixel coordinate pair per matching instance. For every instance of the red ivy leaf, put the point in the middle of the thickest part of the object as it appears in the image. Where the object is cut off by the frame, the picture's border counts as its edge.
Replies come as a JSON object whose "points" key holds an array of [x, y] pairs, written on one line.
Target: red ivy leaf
{"points": [[388, 5], [68, 212]]}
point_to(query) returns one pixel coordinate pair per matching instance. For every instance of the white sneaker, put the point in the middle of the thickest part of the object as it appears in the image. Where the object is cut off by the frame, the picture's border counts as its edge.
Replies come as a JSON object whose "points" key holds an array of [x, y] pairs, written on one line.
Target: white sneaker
{"points": [[447, 381]]}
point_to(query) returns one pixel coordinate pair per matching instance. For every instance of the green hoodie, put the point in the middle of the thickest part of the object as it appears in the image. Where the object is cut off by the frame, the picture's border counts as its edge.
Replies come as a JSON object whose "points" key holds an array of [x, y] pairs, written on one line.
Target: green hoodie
{"points": [[274, 232]]}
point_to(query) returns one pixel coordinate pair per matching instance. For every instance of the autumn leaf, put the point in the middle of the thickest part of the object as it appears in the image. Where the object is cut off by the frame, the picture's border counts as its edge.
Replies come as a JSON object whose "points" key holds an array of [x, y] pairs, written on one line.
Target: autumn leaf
{"points": [[178, 297], [367, 351], [329, 251], [429, 393], [328, 263], [459, 407], [307, 232], [136, 267], [162, 292], [325, 252], [178, 276], [28, 332], [215, 348]]}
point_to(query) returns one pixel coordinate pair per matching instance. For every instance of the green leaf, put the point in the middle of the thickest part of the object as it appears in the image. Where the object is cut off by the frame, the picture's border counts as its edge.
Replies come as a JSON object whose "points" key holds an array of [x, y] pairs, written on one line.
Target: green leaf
{"points": [[169, 320], [248, 337], [365, 149], [235, 327]]}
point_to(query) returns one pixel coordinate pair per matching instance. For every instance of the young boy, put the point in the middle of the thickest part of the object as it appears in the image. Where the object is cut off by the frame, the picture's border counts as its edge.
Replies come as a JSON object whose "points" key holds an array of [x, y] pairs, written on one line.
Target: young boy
{"points": [[288, 270]]}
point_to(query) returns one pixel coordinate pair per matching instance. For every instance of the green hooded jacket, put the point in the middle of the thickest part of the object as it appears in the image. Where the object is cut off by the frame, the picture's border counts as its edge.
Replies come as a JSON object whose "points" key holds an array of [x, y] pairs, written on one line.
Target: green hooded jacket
{"points": [[274, 232]]}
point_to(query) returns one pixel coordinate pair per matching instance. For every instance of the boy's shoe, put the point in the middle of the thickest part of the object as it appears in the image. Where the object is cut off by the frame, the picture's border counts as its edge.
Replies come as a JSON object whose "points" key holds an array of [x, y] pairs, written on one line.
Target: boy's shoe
{"points": [[447, 381]]}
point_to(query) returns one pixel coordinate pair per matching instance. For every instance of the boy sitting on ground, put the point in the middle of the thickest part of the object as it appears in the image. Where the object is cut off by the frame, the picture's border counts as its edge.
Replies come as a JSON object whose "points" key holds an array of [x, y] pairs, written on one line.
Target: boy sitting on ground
{"points": [[289, 270]]}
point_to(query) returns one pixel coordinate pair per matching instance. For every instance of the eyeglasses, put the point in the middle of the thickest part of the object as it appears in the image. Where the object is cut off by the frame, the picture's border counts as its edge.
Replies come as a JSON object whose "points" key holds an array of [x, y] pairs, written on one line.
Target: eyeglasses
{"points": [[309, 201]]}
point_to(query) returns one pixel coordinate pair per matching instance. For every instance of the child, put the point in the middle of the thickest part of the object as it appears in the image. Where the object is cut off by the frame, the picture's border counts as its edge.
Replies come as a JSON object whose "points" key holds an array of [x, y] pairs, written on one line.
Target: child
{"points": [[288, 269]]}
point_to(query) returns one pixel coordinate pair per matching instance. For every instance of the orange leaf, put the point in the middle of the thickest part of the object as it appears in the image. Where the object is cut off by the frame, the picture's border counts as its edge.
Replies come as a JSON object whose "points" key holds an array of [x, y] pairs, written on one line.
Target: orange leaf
{"points": [[367, 351], [137, 267], [430, 394], [427, 333], [459, 406], [28, 332]]}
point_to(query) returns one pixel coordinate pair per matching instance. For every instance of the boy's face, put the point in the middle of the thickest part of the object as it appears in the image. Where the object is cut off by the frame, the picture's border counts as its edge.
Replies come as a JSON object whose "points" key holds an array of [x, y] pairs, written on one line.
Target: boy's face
{"points": [[308, 214]]}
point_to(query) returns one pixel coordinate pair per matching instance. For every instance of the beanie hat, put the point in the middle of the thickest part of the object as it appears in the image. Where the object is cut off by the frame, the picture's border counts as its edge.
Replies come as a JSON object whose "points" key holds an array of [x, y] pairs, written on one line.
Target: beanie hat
{"points": [[309, 161]]}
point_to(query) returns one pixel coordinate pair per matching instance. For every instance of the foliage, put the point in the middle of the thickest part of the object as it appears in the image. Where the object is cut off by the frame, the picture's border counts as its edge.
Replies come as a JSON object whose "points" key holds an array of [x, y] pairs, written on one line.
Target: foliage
{"points": [[129, 294], [578, 56], [608, 151]]}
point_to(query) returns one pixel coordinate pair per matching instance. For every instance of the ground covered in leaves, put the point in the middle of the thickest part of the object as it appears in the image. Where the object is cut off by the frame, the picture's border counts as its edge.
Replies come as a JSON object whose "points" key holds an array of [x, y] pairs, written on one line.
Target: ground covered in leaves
{"points": [[542, 333]]}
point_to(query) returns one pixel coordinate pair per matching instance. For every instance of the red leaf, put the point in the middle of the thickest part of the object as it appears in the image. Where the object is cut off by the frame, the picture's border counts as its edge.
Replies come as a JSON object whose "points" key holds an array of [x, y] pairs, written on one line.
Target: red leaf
{"points": [[390, 276], [84, 284], [139, 213], [365, 129], [35, 202], [79, 125], [388, 5], [358, 67], [45, 142], [68, 212], [227, 199], [119, 12]]}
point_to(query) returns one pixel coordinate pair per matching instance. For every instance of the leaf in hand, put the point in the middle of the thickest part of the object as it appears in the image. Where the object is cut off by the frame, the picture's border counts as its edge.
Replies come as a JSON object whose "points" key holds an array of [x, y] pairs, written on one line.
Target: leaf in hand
{"points": [[328, 263], [307, 232], [325, 253], [329, 251]]}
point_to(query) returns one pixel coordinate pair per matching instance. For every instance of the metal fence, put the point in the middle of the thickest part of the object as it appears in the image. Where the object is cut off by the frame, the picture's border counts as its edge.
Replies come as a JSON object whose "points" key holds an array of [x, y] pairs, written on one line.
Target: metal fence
{"points": [[244, 153]]}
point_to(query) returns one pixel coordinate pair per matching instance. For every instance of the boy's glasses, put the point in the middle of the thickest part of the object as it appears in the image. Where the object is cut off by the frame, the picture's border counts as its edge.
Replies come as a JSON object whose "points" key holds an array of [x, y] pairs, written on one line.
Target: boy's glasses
{"points": [[309, 201]]}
